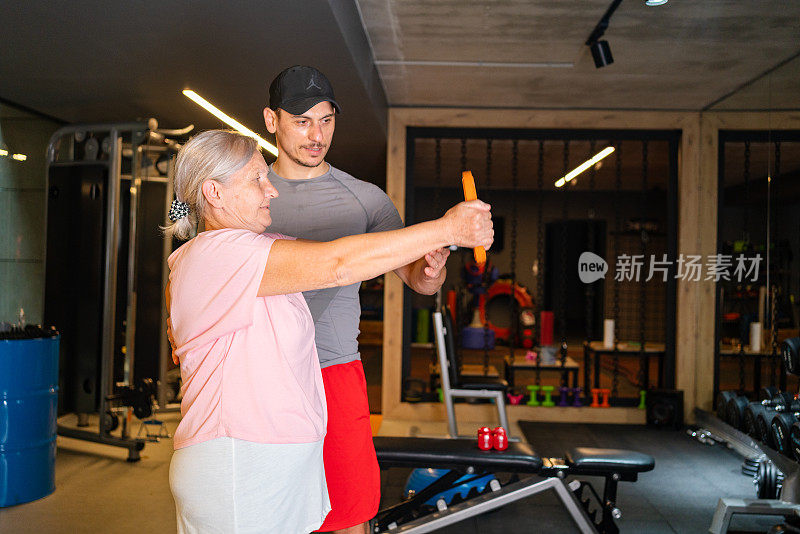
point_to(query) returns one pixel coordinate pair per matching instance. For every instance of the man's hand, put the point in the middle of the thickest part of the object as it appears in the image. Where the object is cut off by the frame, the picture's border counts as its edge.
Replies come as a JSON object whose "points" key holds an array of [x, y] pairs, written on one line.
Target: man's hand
{"points": [[175, 359], [436, 261]]}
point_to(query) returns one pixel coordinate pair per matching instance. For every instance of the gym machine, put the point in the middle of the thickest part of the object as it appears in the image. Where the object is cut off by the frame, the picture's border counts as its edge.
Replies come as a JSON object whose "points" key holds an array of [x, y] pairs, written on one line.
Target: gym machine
{"points": [[108, 190]]}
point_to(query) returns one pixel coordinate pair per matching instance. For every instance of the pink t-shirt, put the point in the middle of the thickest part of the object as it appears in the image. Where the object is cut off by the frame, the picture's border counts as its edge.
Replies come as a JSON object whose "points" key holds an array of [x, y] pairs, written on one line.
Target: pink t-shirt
{"points": [[249, 364]]}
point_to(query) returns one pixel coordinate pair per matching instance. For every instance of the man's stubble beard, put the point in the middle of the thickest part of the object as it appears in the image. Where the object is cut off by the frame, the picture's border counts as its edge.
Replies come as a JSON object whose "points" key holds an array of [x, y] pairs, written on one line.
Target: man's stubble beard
{"points": [[304, 163]]}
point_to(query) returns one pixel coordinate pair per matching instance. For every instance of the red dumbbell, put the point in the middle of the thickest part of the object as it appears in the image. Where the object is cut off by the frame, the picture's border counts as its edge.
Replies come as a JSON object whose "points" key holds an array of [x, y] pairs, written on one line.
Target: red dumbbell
{"points": [[499, 439], [485, 439]]}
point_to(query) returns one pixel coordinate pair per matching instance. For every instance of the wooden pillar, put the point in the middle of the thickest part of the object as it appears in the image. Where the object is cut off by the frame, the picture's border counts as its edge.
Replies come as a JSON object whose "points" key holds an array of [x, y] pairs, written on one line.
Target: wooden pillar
{"points": [[393, 287], [688, 297]]}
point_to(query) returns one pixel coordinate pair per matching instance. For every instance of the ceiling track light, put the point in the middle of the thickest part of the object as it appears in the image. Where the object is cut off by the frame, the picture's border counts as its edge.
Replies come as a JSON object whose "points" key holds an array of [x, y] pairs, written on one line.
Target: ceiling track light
{"points": [[230, 121], [601, 54], [601, 50]]}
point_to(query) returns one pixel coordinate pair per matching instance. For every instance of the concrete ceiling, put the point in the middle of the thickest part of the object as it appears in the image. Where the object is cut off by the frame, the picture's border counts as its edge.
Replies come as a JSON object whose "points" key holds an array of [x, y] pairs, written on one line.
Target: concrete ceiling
{"points": [[684, 55], [93, 61]]}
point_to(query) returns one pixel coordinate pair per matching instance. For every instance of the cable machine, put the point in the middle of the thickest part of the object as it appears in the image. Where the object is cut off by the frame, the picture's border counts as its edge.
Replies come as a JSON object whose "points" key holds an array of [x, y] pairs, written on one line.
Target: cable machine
{"points": [[109, 187]]}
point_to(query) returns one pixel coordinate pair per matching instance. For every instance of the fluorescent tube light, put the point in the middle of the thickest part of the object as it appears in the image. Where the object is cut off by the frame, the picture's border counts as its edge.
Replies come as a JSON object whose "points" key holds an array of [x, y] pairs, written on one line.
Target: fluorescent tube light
{"points": [[19, 157], [230, 121], [583, 166], [3, 152]]}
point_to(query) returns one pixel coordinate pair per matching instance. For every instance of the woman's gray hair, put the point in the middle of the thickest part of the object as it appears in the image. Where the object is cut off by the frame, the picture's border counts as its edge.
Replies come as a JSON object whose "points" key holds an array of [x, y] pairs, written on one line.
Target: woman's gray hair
{"points": [[210, 155]]}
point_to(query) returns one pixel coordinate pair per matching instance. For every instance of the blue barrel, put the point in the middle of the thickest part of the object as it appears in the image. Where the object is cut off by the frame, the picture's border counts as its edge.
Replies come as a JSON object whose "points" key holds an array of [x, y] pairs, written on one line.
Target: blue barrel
{"points": [[28, 409]]}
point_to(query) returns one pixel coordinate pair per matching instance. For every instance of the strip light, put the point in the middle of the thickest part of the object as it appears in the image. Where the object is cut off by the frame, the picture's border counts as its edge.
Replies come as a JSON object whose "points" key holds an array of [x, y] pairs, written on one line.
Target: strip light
{"points": [[230, 121], [3, 152], [19, 157], [476, 64], [583, 166]]}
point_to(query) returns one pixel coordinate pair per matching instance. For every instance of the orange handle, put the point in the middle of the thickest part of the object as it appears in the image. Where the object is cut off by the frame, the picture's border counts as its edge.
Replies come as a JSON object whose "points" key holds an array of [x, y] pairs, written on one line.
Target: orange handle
{"points": [[468, 182]]}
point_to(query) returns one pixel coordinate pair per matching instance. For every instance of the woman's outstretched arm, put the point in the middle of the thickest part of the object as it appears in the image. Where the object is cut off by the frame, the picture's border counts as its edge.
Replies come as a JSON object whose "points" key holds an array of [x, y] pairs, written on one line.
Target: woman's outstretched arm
{"points": [[304, 265]]}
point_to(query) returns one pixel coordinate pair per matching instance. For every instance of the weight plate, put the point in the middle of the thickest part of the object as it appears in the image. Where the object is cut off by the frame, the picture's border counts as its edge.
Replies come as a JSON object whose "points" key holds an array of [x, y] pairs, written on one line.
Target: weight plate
{"points": [[90, 149], [722, 403], [736, 408], [794, 440], [106, 145]]}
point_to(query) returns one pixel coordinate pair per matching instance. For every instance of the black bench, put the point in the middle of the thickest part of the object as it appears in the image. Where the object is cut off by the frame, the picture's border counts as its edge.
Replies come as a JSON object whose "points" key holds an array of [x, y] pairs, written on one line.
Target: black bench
{"points": [[462, 457]]}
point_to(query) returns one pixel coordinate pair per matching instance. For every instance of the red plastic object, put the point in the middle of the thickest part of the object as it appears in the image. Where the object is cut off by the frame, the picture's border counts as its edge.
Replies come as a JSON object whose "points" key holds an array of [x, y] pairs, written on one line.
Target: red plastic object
{"points": [[451, 303], [514, 399], [546, 328], [484, 438], [503, 287], [595, 403], [499, 439], [606, 393]]}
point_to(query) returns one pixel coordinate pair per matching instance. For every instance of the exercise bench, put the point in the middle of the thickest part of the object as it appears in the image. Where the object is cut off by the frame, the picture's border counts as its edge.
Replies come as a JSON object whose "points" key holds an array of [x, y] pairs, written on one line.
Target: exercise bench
{"points": [[462, 457]]}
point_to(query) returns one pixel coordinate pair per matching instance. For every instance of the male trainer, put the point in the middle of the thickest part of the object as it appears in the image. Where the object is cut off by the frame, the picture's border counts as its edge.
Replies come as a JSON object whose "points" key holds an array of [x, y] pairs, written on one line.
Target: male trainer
{"points": [[317, 201]]}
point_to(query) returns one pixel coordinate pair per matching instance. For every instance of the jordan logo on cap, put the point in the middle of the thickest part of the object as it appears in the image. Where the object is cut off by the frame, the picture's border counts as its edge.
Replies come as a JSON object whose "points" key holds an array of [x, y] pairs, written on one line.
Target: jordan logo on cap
{"points": [[313, 83]]}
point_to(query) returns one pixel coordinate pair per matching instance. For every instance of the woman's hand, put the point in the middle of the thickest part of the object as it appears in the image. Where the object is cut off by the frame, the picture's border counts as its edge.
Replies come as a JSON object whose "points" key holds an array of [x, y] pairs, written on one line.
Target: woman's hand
{"points": [[470, 224]]}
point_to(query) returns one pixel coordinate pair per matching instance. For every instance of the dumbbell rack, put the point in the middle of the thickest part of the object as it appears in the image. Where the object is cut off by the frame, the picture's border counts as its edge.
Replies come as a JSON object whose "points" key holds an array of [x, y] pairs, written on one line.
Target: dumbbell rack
{"points": [[747, 447]]}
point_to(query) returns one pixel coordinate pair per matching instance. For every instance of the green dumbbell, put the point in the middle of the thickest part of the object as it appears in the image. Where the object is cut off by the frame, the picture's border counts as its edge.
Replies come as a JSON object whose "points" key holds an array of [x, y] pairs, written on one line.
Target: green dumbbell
{"points": [[642, 403], [533, 401], [548, 396]]}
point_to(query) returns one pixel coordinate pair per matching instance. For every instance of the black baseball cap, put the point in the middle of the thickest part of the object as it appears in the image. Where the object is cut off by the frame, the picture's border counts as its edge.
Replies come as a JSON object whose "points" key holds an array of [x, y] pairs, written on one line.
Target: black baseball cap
{"points": [[299, 88]]}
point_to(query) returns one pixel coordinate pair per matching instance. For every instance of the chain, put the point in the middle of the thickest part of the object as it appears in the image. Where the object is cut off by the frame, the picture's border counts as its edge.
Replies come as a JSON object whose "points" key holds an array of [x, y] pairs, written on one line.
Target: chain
{"points": [[778, 278], [563, 288], [488, 162], [438, 177], [746, 217], [741, 366], [642, 285], [746, 238], [514, 184], [486, 273], [463, 155], [775, 226], [618, 226], [562, 319], [539, 256], [774, 324], [590, 238]]}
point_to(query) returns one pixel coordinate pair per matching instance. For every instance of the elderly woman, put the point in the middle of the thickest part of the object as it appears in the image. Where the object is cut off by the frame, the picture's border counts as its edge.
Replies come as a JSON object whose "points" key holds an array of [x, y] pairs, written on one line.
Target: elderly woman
{"points": [[248, 452]]}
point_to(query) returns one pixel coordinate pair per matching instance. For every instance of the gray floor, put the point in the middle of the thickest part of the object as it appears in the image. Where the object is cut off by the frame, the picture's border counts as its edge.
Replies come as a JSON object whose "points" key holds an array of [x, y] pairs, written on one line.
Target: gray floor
{"points": [[98, 492]]}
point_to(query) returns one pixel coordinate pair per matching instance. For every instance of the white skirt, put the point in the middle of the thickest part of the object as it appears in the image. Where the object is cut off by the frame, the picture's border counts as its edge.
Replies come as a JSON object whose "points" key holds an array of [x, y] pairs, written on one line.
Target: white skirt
{"points": [[232, 486]]}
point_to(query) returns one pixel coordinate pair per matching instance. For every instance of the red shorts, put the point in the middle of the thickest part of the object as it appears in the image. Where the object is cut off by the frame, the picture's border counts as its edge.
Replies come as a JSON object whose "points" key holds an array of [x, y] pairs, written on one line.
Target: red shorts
{"points": [[351, 467]]}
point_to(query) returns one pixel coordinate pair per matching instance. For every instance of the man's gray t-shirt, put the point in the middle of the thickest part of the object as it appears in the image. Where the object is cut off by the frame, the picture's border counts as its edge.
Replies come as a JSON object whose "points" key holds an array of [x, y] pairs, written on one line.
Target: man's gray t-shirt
{"points": [[325, 208]]}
